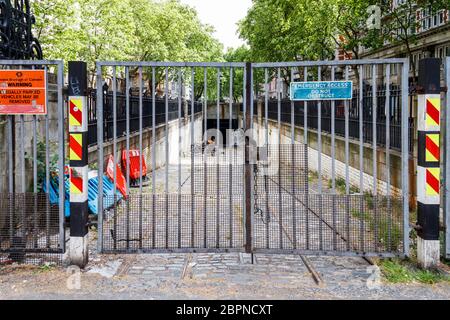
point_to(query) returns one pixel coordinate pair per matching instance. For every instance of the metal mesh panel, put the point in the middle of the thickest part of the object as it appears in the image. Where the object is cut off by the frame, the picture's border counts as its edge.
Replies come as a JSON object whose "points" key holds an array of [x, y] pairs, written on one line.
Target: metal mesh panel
{"points": [[29, 229], [325, 223], [219, 170], [284, 169], [174, 223]]}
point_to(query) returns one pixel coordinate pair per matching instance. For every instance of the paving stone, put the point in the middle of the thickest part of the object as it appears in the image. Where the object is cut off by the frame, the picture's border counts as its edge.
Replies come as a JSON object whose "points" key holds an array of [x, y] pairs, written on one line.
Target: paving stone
{"points": [[155, 269]]}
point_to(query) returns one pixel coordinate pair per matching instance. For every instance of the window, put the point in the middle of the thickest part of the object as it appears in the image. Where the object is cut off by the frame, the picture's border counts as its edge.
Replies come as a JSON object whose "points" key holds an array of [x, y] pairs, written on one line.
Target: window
{"points": [[442, 51], [368, 72], [428, 20], [394, 69]]}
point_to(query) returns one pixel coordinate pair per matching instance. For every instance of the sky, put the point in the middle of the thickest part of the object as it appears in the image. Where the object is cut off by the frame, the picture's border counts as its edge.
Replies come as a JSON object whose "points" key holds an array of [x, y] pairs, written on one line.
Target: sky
{"points": [[223, 16]]}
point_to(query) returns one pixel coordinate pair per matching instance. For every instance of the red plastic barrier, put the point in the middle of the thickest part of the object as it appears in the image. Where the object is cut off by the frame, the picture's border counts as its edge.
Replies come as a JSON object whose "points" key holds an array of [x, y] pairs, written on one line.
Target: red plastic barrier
{"points": [[121, 181], [134, 164]]}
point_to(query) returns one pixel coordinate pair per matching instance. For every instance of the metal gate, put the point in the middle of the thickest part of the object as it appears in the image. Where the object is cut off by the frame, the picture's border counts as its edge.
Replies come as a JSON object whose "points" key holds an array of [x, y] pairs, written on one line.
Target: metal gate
{"points": [[32, 203], [228, 163], [447, 161]]}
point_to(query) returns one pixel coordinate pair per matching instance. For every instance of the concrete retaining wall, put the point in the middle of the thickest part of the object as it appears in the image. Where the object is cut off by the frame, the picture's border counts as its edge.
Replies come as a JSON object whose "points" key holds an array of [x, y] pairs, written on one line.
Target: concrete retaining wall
{"points": [[354, 162], [160, 147]]}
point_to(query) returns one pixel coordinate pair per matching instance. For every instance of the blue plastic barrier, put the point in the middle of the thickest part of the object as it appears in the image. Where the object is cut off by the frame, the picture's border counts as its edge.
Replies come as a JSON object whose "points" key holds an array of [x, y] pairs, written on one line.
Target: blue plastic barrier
{"points": [[108, 193], [53, 193]]}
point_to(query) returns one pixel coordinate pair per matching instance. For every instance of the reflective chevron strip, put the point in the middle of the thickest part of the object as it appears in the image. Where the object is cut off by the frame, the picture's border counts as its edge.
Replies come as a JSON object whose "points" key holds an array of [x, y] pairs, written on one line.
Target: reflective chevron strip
{"points": [[433, 116], [432, 152], [428, 170], [78, 149], [433, 181], [76, 146]]}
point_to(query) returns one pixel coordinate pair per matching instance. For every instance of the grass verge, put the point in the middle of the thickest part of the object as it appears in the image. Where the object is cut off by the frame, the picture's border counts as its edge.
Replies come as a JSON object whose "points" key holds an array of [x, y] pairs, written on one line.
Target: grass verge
{"points": [[405, 271]]}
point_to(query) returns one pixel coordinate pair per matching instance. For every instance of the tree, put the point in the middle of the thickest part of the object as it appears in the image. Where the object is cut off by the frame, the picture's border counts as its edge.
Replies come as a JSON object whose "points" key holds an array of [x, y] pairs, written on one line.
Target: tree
{"points": [[352, 30], [286, 30], [289, 30], [141, 30], [54, 26], [400, 23], [240, 54]]}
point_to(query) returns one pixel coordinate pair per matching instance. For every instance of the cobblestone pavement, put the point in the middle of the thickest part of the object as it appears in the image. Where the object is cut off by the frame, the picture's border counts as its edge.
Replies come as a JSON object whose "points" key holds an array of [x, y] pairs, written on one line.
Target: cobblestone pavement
{"points": [[214, 218], [209, 276]]}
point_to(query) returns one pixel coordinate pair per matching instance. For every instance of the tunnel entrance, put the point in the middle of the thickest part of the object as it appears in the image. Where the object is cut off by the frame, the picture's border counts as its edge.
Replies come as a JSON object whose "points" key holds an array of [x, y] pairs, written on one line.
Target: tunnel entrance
{"points": [[224, 125]]}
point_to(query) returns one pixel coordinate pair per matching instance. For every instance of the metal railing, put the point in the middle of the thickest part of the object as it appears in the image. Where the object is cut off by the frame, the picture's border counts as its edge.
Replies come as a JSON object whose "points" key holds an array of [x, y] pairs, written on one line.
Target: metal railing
{"points": [[147, 102], [354, 122], [32, 211]]}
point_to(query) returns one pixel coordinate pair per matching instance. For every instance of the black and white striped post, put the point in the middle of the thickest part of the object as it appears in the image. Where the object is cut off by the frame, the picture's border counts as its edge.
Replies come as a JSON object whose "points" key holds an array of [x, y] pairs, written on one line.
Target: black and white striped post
{"points": [[78, 145], [428, 167]]}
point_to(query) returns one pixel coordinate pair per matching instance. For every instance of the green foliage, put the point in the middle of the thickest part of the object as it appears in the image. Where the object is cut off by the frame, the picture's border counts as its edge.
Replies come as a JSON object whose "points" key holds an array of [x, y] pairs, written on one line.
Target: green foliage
{"points": [[399, 271], [341, 186], [289, 30], [241, 54], [92, 30], [313, 176], [40, 162], [384, 226], [286, 30]]}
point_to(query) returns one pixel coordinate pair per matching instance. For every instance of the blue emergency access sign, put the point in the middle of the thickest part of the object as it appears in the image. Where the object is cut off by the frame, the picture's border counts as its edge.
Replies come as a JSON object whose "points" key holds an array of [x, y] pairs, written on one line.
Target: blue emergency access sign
{"points": [[321, 90]]}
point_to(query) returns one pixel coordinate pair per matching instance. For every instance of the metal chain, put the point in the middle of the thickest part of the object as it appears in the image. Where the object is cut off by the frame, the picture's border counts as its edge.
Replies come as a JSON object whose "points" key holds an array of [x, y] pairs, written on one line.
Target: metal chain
{"points": [[258, 211]]}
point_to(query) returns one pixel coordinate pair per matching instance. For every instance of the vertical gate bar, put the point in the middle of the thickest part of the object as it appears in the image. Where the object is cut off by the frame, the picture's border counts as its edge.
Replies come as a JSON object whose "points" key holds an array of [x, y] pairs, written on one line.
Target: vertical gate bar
{"points": [[305, 133], [388, 150], [248, 166], [347, 169], [305, 111], [319, 164], [280, 203], [127, 117], [319, 135], [217, 154], [252, 99], [266, 129], [252, 174], [22, 173], [333, 138], [140, 156], [179, 155], [35, 178], [11, 173], [153, 157], [266, 107], [99, 112], [205, 167], [244, 172], [61, 132], [447, 161], [405, 155], [374, 152], [244, 102], [192, 157], [115, 154], [333, 162], [361, 154], [294, 191], [230, 166], [47, 173], [166, 129]]}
